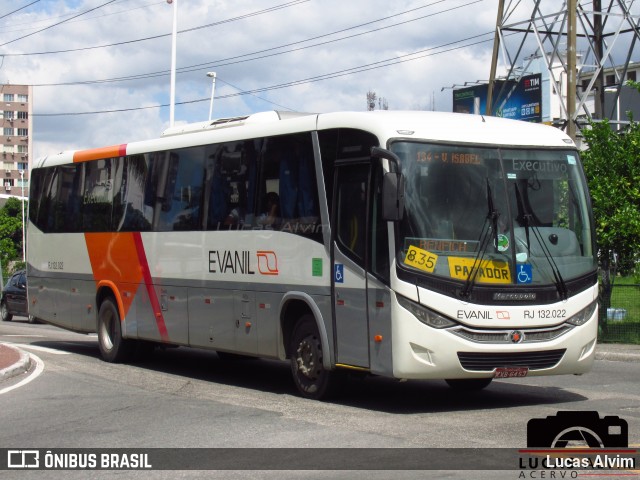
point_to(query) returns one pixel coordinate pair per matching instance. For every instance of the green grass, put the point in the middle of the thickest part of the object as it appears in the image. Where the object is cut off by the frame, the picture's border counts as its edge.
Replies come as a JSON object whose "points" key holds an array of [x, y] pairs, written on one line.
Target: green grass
{"points": [[625, 294]]}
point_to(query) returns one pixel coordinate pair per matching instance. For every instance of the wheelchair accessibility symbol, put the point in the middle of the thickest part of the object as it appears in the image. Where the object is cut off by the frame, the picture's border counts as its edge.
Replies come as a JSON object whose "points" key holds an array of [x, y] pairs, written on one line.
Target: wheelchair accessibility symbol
{"points": [[338, 273], [524, 273]]}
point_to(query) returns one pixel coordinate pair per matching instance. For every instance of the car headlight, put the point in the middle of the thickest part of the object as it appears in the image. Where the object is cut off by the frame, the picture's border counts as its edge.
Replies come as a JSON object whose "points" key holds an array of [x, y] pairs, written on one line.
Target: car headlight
{"points": [[426, 316], [583, 315]]}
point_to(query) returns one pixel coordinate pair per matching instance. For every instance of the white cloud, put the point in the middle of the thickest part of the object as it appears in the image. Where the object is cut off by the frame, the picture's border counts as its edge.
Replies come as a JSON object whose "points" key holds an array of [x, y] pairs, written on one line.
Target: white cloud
{"points": [[406, 85]]}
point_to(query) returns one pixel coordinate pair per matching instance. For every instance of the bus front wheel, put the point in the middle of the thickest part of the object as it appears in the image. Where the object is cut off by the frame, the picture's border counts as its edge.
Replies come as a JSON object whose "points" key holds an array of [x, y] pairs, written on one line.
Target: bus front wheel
{"points": [[311, 378], [113, 347]]}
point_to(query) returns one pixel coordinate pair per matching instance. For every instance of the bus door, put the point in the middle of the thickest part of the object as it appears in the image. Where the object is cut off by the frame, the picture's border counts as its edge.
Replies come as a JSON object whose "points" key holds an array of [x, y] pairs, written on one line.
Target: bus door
{"points": [[349, 273], [361, 296]]}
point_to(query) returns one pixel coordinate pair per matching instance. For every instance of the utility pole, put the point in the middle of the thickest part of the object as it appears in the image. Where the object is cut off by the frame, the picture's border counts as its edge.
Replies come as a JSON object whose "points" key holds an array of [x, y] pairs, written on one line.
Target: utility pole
{"points": [[571, 69], [598, 86], [569, 38], [494, 59]]}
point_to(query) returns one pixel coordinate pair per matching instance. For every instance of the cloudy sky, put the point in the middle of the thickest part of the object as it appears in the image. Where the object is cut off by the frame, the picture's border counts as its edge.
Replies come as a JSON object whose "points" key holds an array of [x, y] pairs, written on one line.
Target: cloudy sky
{"points": [[88, 56]]}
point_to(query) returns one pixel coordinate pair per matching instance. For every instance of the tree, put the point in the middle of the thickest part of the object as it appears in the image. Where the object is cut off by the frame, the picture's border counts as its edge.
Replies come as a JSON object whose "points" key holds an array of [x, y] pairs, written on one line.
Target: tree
{"points": [[612, 167], [10, 233]]}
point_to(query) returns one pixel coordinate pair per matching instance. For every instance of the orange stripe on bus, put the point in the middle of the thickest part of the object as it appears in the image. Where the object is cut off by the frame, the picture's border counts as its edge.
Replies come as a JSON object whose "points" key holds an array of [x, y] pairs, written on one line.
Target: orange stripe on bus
{"points": [[102, 152], [114, 259], [119, 259]]}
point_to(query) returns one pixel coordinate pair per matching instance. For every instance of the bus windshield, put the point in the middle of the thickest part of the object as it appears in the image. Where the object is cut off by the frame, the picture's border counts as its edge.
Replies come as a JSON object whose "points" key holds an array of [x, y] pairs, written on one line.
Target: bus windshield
{"points": [[517, 216]]}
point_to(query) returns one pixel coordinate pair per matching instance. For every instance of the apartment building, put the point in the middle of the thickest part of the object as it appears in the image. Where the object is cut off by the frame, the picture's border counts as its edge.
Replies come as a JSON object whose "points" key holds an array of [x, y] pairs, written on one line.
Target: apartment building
{"points": [[16, 139]]}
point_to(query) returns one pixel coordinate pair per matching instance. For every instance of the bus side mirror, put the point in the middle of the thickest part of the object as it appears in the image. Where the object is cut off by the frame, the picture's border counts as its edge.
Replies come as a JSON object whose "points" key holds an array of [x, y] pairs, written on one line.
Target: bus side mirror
{"points": [[392, 197], [392, 186]]}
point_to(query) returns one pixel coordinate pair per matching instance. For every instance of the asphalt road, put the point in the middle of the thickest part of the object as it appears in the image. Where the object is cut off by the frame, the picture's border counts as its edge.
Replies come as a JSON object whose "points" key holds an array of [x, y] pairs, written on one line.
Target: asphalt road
{"points": [[184, 398]]}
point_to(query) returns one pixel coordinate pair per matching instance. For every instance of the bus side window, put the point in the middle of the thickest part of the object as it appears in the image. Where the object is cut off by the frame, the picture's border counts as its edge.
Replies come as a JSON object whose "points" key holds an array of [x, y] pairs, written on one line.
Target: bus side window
{"points": [[60, 207], [231, 170], [97, 196], [175, 189], [129, 210], [55, 212], [187, 190], [351, 210], [288, 170], [379, 258]]}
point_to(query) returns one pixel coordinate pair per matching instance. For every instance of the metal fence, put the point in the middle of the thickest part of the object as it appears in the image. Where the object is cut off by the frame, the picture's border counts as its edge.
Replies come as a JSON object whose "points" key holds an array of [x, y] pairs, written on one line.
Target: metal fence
{"points": [[620, 317]]}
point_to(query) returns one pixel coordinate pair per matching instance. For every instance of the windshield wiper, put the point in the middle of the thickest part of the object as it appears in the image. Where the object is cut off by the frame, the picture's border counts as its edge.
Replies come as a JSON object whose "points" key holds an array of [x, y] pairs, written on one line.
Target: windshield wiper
{"points": [[490, 224], [561, 286]]}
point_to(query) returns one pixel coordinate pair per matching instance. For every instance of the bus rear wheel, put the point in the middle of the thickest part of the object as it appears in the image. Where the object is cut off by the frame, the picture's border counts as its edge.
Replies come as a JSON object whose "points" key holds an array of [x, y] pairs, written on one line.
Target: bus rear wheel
{"points": [[309, 375], [113, 347], [469, 384]]}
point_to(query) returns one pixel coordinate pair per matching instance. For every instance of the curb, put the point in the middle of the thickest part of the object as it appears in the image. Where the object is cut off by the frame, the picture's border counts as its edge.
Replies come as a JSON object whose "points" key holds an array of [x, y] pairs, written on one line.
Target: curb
{"points": [[19, 367], [618, 356]]}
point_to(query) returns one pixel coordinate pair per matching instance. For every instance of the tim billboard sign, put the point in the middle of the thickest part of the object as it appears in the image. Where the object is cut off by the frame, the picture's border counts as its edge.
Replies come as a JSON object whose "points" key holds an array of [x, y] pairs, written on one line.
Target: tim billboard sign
{"points": [[517, 100]]}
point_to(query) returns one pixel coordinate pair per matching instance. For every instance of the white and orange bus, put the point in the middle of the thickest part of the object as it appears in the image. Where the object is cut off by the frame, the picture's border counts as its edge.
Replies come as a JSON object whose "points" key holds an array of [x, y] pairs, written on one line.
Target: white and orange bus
{"points": [[414, 245]]}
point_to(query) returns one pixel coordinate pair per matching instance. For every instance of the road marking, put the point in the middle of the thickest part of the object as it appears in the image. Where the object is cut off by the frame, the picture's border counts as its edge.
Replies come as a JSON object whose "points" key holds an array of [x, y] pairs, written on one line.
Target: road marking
{"points": [[35, 374], [38, 348]]}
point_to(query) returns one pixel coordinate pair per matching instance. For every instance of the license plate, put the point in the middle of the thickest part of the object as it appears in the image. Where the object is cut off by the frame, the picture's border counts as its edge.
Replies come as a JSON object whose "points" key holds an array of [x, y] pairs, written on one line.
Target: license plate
{"points": [[511, 372]]}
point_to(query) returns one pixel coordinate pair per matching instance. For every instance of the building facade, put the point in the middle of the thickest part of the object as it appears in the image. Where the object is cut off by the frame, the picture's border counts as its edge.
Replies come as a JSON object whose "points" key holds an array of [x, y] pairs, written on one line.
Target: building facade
{"points": [[16, 139]]}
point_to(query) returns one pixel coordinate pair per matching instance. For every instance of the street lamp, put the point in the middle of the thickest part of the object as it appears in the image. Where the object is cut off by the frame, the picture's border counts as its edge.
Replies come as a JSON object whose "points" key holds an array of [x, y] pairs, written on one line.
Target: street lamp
{"points": [[212, 75]]}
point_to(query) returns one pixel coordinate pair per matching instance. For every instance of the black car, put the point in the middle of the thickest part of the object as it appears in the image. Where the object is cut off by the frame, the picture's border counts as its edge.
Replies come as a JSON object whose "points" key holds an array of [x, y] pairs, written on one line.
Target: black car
{"points": [[14, 297]]}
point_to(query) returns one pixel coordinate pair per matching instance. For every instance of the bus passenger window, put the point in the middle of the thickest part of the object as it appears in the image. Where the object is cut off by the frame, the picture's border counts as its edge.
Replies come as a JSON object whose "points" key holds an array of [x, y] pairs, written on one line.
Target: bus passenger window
{"points": [[177, 179], [230, 184], [59, 209], [97, 199], [130, 213], [288, 169], [351, 210]]}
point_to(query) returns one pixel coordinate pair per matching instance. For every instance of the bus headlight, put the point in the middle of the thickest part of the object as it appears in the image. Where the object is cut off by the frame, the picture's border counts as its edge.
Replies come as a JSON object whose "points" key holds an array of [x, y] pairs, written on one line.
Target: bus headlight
{"points": [[426, 316], [583, 315]]}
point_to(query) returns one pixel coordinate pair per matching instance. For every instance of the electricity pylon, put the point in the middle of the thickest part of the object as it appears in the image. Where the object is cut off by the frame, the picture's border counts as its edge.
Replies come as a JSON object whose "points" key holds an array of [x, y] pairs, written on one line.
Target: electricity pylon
{"points": [[574, 41]]}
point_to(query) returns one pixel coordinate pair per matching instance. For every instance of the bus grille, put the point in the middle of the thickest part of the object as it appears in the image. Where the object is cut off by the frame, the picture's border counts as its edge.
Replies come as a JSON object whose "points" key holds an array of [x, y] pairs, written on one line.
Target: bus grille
{"points": [[489, 361]]}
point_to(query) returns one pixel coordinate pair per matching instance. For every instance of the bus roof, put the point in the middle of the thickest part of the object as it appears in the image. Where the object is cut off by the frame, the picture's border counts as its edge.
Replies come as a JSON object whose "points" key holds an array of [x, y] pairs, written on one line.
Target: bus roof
{"points": [[385, 124], [448, 127]]}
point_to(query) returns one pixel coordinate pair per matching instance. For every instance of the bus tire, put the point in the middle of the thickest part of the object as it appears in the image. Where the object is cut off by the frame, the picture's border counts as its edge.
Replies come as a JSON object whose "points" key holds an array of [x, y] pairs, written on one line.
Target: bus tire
{"points": [[113, 347], [309, 375], [469, 384]]}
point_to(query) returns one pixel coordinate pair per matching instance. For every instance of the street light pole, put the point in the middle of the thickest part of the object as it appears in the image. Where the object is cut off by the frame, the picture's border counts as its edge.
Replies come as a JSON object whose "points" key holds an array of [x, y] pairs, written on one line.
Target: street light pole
{"points": [[24, 257], [212, 75], [172, 101]]}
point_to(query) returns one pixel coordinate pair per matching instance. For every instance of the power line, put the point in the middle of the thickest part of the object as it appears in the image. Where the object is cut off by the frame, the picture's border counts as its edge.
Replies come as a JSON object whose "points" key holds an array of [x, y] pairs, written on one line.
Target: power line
{"points": [[230, 60], [56, 24], [33, 23], [18, 9], [162, 35], [350, 71]]}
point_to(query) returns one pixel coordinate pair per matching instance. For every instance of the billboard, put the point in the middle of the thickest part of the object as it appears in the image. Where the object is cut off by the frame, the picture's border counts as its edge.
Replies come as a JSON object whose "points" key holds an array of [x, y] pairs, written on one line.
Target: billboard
{"points": [[520, 100]]}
